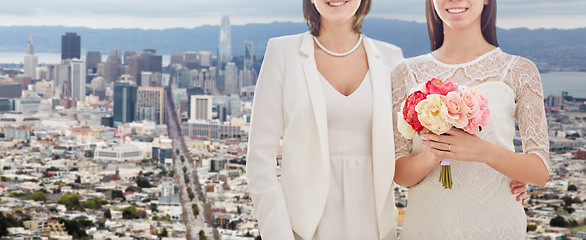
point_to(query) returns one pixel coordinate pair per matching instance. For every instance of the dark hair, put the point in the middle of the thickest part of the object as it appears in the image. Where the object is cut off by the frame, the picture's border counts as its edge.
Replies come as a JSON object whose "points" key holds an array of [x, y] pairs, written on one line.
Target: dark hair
{"points": [[435, 25], [312, 16]]}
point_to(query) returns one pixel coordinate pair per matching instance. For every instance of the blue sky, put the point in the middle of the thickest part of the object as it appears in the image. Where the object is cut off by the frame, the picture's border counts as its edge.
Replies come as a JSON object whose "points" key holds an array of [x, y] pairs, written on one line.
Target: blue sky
{"points": [[150, 14]]}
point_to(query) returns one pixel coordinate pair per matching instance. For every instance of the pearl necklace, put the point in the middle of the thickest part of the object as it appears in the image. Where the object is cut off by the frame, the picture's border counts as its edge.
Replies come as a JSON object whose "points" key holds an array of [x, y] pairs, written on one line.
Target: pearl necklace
{"points": [[335, 54]]}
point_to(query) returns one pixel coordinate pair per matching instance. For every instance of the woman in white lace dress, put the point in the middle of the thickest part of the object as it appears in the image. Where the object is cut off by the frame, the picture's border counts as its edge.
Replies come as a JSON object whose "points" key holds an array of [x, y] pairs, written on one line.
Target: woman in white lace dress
{"points": [[480, 204]]}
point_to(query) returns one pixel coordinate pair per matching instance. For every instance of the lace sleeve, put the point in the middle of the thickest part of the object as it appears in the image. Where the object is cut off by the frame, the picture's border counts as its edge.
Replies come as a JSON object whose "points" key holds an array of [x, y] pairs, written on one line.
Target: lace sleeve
{"points": [[530, 113], [400, 81]]}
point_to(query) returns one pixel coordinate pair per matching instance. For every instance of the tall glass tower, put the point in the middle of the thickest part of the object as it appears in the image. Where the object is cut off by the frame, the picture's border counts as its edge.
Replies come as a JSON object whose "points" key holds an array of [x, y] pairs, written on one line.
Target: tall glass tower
{"points": [[124, 102], [225, 43], [224, 51]]}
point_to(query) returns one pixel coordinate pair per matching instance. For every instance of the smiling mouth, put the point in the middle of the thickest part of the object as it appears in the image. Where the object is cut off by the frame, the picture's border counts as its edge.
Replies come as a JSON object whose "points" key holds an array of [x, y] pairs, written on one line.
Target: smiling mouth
{"points": [[337, 3], [457, 10]]}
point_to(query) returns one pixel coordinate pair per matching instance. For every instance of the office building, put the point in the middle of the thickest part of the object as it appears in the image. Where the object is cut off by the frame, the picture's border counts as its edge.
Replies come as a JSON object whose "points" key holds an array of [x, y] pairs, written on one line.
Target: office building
{"points": [[70, 46], [111, 69], [92, 59], [127, 55], [117, 52], [146, 79], [124, 102], [201, 107], [78, 80], [10, 90], [150, 104], [205, 59], [191, 61], [135, 67], [230, 79], [152, 62], [30, 60], [177, 59], [181, 76]]}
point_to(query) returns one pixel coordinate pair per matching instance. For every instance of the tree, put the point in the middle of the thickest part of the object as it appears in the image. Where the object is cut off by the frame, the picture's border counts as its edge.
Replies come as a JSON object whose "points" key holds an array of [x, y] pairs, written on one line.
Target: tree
{"points": [[92, 203], [78, 179], [559, 221], [107, 214], [190, 193], [6, 222], [531, 228], [164, 233], [142, 182], [69, 200], [154, 207], [202, 235], [38, 196], [195, 209], [572, 188]]}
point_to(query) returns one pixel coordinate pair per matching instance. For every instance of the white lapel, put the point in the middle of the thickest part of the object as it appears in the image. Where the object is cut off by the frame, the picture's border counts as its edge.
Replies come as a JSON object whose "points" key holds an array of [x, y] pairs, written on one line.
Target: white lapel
{"points": [[382, 132], [316, 95]]}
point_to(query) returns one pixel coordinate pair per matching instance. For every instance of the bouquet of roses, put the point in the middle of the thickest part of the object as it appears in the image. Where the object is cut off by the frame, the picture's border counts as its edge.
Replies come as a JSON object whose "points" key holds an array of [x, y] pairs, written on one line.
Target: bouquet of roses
{"points": [[438, 106]]}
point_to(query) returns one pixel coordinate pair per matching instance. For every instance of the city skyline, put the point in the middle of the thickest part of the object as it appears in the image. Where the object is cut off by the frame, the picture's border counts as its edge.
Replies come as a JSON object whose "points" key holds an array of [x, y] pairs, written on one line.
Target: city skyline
{"points": [[565, 14]]}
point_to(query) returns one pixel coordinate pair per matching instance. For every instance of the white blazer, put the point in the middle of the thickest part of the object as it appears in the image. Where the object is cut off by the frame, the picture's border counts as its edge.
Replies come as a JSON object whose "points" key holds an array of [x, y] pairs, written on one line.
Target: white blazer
{"points": [[289, 103]]}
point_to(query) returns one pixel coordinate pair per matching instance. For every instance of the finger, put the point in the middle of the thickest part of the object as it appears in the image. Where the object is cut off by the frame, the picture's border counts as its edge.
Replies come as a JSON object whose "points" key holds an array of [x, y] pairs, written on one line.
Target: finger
{"points": [[437, 145], [442, 154], [522, 196], [515, 184]]}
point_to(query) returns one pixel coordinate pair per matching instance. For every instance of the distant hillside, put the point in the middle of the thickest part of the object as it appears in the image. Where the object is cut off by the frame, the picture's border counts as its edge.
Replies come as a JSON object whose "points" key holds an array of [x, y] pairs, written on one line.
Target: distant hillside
{"points": [[551, 49]]}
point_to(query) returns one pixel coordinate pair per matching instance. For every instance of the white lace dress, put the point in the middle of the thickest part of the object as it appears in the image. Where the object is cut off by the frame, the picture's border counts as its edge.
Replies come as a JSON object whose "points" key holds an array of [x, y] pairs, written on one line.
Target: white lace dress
{"points": [[480, 205]]}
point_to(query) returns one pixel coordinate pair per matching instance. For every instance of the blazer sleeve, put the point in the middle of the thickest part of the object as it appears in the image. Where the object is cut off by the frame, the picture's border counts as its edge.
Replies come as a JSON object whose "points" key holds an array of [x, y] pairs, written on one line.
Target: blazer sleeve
{"points": [[266, 128]]}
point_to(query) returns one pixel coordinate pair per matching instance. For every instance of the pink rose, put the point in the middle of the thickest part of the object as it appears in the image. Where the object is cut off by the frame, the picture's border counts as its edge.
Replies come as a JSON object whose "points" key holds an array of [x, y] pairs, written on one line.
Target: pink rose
{"points": [[481, 119], [453, 111], [471, 102], [409, 113], [437, 86]]}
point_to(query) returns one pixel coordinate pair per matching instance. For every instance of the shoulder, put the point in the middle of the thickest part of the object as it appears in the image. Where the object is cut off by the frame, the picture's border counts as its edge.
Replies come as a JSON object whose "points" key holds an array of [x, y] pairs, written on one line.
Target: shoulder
{"points": [[286, 41], [407, 64], [521, 65]]}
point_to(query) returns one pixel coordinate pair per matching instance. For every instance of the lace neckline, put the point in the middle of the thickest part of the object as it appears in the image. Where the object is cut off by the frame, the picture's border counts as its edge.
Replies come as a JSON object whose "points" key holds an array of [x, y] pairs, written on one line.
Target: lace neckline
{"points": [[479, 58]]}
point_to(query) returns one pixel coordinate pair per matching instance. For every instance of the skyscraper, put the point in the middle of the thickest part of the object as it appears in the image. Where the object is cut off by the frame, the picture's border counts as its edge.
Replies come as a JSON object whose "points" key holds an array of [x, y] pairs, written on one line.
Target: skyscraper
{"points": [[191, 61], [224, 52], [181, 76], [230, 79], [111, 69], [127, 55], [124, 102], [248, 65], [92, 58], [78, 79], [225, 43], [177, 58], [205, 59], [30, 60], [152, 62], [118, 53], [201, 107], [70, 46], [150, 104], [135, 67]]}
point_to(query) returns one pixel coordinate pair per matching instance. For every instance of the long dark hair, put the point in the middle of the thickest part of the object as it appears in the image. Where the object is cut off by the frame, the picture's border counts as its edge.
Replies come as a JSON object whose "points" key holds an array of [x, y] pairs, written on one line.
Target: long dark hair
{"points": [[312, 16], [435, 25]]}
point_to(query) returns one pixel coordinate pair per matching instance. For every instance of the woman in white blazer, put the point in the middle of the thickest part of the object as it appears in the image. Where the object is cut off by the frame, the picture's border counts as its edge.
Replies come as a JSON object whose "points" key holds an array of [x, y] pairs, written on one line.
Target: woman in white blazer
{"points": [[326, 95]]}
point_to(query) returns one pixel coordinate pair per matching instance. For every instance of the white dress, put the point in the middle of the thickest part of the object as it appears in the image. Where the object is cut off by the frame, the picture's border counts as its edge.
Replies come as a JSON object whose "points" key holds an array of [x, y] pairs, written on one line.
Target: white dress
{"points": [[480, 205], [350, 208]]}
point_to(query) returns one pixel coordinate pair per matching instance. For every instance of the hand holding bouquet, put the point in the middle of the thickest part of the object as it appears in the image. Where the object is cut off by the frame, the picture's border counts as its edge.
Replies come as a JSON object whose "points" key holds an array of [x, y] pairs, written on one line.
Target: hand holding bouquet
{"points": [[438, 106]]}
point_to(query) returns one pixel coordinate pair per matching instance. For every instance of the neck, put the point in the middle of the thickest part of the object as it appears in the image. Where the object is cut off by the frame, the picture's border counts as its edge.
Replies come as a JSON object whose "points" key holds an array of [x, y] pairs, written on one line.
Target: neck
{"points": [[338, 38], [462, 45]]}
